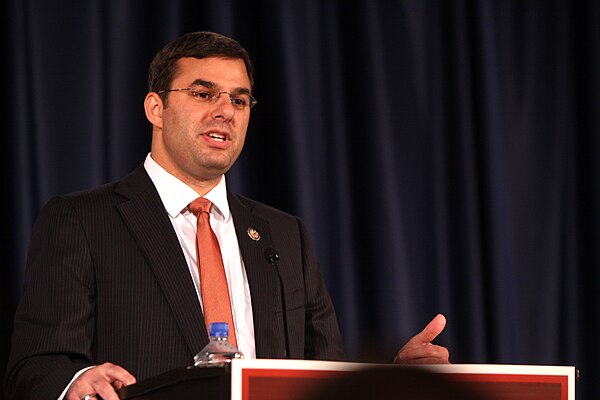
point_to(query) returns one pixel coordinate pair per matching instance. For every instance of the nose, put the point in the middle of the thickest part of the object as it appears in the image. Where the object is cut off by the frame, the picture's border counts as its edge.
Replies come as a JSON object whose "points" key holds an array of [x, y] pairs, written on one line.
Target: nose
{"points": [[223, 109]]}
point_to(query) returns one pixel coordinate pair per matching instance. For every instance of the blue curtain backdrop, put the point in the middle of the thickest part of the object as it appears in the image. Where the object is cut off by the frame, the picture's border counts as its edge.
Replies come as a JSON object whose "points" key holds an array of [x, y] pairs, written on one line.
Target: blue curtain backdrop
{"points": [[444, 154]]}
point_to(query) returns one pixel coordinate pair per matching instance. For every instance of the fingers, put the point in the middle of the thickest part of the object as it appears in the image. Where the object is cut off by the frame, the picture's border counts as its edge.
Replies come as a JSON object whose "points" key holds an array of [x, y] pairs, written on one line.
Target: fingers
{"points": [[420, 350], [101, 380], [424, 353]]}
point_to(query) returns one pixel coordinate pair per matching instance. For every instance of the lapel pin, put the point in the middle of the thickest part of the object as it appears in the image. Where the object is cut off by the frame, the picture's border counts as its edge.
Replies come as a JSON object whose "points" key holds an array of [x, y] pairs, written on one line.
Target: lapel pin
{"points": [[254, 235]]}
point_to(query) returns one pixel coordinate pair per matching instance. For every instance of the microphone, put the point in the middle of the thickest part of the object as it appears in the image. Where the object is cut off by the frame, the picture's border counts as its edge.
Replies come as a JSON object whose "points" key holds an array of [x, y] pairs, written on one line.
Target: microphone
{"points": [[272, 258]]}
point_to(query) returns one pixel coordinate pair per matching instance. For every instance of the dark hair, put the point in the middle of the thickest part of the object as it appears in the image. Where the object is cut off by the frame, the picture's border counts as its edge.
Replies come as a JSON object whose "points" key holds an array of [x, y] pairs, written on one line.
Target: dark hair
{"points": [[197, 45]]}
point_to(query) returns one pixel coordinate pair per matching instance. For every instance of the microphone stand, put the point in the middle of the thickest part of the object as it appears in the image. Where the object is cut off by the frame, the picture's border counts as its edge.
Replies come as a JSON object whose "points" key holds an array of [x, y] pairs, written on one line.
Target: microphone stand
{"points": [[273, 258]]}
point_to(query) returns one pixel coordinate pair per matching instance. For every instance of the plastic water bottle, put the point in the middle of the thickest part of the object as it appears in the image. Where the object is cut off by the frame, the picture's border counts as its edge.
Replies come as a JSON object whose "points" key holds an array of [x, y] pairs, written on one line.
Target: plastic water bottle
{"points": [[219, 349]]}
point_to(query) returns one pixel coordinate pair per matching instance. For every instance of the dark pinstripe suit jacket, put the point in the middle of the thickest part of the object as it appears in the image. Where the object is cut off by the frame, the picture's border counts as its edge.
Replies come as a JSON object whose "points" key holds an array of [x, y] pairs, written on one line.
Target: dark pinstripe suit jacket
{"points": [[107, 281]]}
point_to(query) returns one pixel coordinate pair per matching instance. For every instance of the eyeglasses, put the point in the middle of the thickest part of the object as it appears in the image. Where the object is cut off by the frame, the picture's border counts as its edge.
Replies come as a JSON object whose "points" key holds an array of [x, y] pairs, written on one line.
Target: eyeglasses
{"points": [[239, 101]]}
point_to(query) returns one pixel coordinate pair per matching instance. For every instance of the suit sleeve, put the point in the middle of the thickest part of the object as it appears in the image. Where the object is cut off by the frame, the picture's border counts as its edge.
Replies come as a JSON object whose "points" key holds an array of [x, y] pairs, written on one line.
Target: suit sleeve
{"points": [[322, 335], [54, 322]]}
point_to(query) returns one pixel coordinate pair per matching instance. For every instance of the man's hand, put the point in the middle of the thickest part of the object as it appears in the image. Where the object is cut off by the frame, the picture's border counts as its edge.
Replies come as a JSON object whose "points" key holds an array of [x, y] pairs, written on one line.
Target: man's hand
{"points": [[420, 350], [101, 380]]}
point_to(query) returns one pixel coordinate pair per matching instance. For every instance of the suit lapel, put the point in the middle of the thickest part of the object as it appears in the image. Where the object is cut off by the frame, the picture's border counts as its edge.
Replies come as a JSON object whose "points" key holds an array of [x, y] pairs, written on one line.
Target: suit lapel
{"points": [[262, 276], [149, 223]]}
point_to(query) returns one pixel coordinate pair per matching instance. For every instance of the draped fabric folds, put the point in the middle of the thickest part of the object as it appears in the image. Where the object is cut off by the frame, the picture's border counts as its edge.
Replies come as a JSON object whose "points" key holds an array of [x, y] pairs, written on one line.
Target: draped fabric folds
{"points": [[444, 154]]}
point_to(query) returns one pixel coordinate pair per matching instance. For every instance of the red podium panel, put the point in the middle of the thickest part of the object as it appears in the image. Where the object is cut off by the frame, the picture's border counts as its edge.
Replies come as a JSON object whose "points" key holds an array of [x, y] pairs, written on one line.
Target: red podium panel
{"points": [[300, 379]]}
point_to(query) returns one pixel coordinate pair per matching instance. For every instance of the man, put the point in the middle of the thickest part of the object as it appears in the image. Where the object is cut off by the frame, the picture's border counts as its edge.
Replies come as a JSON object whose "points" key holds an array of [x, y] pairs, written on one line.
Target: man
{"points": [[113, 293]]}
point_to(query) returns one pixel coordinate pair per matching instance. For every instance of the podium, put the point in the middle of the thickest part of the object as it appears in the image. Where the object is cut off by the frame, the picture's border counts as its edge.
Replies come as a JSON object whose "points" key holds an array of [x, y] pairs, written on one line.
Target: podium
{"points": [[265, 379]]}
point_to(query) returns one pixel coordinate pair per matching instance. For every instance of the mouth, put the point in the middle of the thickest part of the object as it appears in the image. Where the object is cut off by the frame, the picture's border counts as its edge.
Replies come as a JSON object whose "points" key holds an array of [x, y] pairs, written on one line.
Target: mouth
{"points": [[219, 136]]}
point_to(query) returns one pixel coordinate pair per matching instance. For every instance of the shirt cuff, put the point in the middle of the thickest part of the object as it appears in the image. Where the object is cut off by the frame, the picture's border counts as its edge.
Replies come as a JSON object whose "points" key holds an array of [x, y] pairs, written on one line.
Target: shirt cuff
{"points": [[64, 392]]}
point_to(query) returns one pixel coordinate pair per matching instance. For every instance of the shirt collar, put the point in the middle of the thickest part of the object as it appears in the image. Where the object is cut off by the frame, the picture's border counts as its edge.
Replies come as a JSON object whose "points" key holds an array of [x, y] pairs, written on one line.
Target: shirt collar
{"points": [[176, 195]]}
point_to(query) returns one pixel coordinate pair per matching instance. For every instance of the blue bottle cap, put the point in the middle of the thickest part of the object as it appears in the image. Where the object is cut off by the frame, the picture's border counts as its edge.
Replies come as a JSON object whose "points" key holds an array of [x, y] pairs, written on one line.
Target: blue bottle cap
{"points": [[219, 329]]}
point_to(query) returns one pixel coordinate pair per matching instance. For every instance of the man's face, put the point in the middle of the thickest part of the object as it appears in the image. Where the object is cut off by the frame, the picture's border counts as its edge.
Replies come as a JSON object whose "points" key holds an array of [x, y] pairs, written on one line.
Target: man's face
{"points": [[200, 140]]}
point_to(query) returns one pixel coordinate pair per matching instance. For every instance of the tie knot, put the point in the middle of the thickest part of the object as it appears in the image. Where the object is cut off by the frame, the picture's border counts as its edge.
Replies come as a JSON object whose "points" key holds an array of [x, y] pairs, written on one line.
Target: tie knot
{"points": [[200, 205]]}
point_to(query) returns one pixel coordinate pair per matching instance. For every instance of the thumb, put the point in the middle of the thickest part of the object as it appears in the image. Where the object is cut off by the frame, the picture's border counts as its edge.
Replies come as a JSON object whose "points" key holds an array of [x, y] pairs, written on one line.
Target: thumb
{"points": [[431, 331]]}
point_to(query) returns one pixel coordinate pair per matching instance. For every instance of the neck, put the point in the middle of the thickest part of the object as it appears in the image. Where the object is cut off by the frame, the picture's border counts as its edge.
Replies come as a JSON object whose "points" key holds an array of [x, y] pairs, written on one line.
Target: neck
{"points": [[201, 184]]}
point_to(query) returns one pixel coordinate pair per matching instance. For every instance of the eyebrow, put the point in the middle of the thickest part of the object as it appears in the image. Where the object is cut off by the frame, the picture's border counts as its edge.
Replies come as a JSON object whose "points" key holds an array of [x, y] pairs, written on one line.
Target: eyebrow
{"points": [[213, 85]]}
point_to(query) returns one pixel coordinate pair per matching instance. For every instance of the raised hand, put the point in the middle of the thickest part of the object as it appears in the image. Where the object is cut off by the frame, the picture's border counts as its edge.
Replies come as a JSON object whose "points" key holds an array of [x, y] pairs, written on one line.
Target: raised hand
{"points": [[420, 350]]}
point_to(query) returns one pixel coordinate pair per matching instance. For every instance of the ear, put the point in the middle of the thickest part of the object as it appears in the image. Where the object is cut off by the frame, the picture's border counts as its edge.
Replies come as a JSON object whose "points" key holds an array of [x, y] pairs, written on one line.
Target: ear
{"points": [[153, 106]]}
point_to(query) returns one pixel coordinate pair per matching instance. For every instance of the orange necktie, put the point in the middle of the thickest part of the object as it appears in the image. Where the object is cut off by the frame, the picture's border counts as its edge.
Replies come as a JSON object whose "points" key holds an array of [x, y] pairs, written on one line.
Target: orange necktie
{"points": [[213, 282]]}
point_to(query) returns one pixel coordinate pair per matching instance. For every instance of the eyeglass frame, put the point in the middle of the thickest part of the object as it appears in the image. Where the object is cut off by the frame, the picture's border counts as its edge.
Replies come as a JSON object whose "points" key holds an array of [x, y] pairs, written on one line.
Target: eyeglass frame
{"points": [[214, 97]]}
